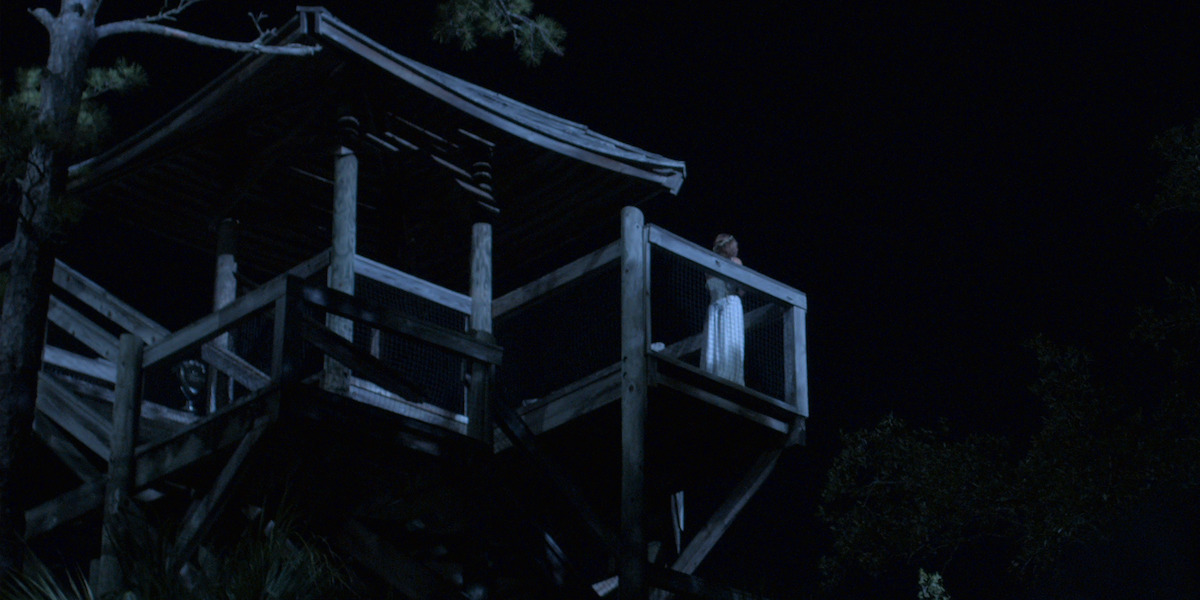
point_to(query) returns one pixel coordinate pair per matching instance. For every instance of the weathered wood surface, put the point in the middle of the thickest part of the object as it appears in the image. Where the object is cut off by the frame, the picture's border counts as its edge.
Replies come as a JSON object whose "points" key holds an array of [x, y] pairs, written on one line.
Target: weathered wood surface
{"points": [[104, 370], [58, 440], [380, 317], [795, 360], [479, 422], [725, 268], [721, 403], [203, 513], [335, 376], [752, 319], [635, 301], [83, 329], [359, 361], [705, 539], [689, 586], [557, 278], [571, 402], [107, 577], [159, 458], [67, 507], [368, 393], [108, 305], [665, 367], [174, 346], [68, 411], [522, 438], [412, 284], [235, 366]]}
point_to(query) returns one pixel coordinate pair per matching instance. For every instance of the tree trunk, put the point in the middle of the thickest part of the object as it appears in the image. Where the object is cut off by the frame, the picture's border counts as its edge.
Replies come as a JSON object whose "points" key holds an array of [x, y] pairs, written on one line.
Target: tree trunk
{"points": [[39, 229]]}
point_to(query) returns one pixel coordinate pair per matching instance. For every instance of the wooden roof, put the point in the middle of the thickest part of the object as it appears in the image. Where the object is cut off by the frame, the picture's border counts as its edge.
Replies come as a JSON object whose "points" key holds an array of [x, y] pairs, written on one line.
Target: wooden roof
{"points": [[257, 144]]}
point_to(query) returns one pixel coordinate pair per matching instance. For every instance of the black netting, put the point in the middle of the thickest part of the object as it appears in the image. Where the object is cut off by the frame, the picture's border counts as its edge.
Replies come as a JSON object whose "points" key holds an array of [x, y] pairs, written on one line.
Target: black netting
{"points": [[562, 336], [682, 308], [435, 373]]}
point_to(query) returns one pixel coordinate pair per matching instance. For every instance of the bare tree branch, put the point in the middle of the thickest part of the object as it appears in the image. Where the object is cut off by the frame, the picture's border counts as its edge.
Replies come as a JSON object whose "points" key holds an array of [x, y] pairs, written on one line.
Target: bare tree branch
{"points": [[43, 16], [167, 12], [256, 47]]}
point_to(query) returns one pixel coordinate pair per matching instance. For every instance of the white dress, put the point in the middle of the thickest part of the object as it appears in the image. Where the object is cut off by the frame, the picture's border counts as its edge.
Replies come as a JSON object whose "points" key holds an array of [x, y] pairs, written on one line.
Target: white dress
{"points": [[724, 333]]}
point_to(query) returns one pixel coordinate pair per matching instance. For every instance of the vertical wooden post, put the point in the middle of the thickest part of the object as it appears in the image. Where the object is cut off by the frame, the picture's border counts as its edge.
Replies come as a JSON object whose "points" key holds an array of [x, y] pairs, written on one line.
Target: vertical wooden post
{"points": [[107, 577], [795, 359], [479, 422], [341, 259], [634, 311], [224, 292]]}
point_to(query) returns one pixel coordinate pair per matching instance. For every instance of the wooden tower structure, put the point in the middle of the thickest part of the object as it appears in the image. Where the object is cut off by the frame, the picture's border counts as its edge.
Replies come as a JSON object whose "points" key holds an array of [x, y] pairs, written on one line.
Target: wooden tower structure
{"points": [[396, 342]]}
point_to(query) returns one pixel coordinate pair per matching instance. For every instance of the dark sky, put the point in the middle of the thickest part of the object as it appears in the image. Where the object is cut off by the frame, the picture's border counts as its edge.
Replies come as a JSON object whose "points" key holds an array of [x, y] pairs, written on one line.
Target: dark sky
{"points": [[944, 182]]}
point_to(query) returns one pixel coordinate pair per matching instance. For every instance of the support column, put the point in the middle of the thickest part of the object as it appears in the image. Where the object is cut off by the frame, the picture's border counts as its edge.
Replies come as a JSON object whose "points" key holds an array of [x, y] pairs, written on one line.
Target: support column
{"points": [[634, 320], [107, 577], [795, 359], [479, 422], [345, 242], [224, 292]]}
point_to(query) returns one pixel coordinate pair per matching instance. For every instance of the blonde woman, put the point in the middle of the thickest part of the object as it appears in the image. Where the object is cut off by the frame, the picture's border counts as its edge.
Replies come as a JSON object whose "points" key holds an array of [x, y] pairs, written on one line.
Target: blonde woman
{"points": [[725, 331]]}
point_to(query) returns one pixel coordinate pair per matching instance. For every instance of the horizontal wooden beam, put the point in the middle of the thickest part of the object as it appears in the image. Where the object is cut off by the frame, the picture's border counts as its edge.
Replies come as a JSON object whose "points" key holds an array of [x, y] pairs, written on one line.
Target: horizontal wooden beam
{"points": [[57, 439], [725, 268], [751, 320], [359, 361], [719, 402], [381, 317], [211, 325], [557, 278], [689, 586], [71, 505], [104, 370], [412, 284], [226, 427], [235, 366], [107, 304], [71, 413], [82, 328], [559, 408]]}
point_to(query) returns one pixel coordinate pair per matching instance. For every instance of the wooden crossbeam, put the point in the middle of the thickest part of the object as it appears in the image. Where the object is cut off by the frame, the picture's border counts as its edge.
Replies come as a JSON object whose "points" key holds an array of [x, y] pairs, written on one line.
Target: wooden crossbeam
{"points": [[83, 329], [203, 513], [690, 586], [522, 438], [751, 320], [235, 366], [359, 361], [71, 413], [380, 317], [226, 427], [102, 369], [58, 440], [556, 279], [69, 506], [107, 304]]}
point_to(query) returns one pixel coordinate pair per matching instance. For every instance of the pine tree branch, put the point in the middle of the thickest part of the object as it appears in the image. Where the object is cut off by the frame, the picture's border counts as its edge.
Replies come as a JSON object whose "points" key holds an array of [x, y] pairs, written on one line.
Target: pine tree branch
{"points": [[256, 47]]}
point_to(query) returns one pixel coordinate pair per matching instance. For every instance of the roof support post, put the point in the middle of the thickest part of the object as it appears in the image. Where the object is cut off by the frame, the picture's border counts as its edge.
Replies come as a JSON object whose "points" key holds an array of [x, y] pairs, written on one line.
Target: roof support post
{"points": [[479, 422], [224, 292], [634, 333], [345, 241], [106, 575]]}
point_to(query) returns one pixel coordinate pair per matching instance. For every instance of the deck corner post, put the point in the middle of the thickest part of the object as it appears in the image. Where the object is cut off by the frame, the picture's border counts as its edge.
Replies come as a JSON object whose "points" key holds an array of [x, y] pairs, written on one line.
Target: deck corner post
{"points": [[345, 242], [224, 292], [634, 312], [107, 577], [795, 357], [479, 422]]}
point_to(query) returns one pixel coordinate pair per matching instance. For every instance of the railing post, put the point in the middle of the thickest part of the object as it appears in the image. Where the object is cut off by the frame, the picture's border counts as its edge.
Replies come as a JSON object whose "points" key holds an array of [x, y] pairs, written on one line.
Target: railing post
{"points": [[634, 311], [795, 359], [224, 292], [479, 422], [285, 349], [345, 241], [107, 577]]}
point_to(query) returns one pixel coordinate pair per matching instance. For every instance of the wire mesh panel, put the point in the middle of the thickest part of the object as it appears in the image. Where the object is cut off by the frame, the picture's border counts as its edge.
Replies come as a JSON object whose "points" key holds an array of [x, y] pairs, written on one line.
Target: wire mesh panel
{"points": [[562, 336], [731, 331], [435, 373]]}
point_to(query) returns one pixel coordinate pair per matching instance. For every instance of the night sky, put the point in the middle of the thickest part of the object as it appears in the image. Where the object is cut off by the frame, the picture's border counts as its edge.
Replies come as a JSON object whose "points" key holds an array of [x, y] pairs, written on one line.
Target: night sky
{"points": [[943, 182]]}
